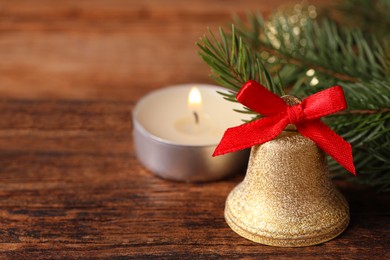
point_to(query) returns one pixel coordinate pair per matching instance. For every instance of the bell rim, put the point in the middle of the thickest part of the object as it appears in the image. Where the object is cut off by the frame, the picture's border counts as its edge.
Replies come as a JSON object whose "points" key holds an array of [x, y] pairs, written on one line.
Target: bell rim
{"points": [[298, 241]]}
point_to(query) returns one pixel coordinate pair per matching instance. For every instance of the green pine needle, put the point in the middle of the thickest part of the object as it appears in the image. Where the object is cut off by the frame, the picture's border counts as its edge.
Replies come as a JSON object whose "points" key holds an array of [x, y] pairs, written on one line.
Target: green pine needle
{"points": [[310, 54]]}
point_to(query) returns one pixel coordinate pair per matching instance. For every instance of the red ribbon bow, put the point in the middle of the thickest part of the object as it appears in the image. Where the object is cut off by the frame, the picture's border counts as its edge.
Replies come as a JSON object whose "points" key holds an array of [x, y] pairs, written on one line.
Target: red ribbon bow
{"points": [[306, 117]]}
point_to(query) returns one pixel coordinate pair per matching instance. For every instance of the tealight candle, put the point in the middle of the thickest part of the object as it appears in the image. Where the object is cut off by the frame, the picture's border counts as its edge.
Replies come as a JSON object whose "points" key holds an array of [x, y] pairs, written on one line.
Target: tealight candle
{"points": [[176, 130]]}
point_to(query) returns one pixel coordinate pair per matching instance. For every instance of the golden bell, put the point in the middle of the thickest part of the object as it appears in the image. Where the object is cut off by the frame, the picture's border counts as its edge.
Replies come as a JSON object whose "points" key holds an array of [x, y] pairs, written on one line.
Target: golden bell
{"points": [[287, 198]]}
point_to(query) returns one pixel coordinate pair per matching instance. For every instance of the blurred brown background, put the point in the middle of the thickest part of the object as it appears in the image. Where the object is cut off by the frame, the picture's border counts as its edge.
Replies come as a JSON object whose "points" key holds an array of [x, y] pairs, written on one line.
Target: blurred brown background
{"points": [[108, 49]]}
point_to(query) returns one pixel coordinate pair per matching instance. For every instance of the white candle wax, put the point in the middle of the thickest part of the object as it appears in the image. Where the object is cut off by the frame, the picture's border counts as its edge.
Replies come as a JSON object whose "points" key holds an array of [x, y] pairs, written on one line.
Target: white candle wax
{"points": [[165, 114]]}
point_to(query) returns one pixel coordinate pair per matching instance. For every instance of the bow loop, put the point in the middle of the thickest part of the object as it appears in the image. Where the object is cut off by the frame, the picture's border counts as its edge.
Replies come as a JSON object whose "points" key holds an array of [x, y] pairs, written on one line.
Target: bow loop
{"points": [[278, 115], [266, 103], [324, 103]]}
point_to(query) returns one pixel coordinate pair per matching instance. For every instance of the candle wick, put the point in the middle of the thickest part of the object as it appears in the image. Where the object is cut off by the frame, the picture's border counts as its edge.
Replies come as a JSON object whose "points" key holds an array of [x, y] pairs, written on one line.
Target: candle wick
{"points": [[196, 117]]}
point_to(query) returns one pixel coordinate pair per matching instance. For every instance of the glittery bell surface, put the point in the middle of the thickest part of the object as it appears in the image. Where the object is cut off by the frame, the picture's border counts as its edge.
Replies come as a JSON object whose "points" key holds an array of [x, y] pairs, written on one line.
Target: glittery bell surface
{"points": [[287, 198]]}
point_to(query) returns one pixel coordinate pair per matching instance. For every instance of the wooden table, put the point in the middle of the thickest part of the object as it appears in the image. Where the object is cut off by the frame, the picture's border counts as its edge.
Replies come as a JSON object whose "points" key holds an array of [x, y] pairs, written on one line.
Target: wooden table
{"points": [[70, 184]]}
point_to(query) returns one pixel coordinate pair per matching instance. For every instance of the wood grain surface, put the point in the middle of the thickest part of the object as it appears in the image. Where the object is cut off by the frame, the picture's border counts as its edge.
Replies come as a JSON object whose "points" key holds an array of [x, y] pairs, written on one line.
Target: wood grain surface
{"points": [[70, 184]]}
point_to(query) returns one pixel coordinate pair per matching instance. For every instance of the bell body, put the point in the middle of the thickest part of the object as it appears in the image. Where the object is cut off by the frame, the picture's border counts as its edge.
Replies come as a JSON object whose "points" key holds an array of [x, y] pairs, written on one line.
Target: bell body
{"points": [[287, 198]]}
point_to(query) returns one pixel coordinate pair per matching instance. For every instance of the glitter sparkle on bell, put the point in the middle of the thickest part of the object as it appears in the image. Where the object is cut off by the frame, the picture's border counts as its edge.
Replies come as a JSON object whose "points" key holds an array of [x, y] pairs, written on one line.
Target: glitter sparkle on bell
{"points": [[287, 198]]}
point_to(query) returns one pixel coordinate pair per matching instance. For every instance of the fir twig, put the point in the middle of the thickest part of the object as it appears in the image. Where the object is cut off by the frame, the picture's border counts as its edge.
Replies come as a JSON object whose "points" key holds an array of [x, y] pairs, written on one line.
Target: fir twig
{"points": [[233, 64], [311, 55]]}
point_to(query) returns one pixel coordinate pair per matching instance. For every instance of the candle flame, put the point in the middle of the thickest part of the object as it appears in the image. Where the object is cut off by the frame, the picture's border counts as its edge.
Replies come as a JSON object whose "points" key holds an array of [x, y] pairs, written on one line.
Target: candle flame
{"points": [[194, 100]]}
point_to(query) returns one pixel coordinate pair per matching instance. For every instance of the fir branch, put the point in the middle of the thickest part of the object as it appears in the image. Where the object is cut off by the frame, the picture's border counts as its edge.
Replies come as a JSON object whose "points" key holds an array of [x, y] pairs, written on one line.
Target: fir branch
{"points": [[289, 59], [311, 55], [233, 64], [363, 112], [321, 45]]}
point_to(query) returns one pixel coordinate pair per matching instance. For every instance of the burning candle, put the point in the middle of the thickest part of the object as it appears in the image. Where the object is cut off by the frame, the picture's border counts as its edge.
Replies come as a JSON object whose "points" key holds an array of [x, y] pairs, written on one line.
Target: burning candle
{"points": [[176, 130], [197, 122], [195, 102]]}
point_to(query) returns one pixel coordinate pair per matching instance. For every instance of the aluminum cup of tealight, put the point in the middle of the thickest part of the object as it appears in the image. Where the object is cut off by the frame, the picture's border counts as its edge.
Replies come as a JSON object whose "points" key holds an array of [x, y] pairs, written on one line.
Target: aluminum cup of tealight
{"points": [[176, 131]]}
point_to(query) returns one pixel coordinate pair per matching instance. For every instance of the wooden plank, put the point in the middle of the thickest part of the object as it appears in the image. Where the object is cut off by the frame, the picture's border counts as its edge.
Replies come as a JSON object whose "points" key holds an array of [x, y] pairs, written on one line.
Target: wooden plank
{"points": [[71, 186]]}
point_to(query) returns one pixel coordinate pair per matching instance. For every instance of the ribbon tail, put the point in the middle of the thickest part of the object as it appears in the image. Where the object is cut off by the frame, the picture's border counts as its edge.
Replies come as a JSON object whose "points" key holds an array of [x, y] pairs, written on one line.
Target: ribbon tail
{"points": [[329, 141], [250, 134]]}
